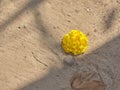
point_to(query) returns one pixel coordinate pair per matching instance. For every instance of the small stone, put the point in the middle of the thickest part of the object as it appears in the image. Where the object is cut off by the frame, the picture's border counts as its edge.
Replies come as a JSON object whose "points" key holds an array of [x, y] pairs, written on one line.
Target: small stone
{"points": [[69, 60]]}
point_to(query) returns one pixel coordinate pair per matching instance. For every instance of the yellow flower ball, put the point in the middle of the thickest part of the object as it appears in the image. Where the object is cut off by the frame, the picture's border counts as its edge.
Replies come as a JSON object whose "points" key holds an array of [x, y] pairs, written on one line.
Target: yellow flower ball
{"points": [[75, 42]]}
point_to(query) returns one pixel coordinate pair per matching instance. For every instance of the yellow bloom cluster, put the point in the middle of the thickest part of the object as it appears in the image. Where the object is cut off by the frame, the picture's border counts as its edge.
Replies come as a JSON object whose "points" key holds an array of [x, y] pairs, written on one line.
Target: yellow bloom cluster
{"points": [[75, 42]]}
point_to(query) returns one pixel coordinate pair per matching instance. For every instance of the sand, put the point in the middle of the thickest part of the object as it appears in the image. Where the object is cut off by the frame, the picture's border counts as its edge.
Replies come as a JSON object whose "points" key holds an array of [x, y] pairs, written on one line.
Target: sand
{"points": [[31, 57]]}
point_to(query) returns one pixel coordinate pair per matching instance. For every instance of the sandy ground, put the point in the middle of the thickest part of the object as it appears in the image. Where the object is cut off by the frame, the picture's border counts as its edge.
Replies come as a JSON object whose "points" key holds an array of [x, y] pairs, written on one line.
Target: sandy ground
{"points": [[31, 57]]}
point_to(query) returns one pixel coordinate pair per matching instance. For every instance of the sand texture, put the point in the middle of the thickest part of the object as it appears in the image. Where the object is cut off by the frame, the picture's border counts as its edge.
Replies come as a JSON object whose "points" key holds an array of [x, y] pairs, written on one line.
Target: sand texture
{"points": [[31, 57]]}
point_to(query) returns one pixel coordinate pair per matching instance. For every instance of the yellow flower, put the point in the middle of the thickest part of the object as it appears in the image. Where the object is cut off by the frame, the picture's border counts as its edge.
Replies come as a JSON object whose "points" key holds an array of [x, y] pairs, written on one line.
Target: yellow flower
{"points": [[75, 42]]}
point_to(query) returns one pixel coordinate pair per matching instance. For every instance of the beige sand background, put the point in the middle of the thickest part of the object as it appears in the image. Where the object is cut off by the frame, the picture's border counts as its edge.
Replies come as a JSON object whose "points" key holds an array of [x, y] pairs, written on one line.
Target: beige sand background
{"points": [[31, 57]]}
